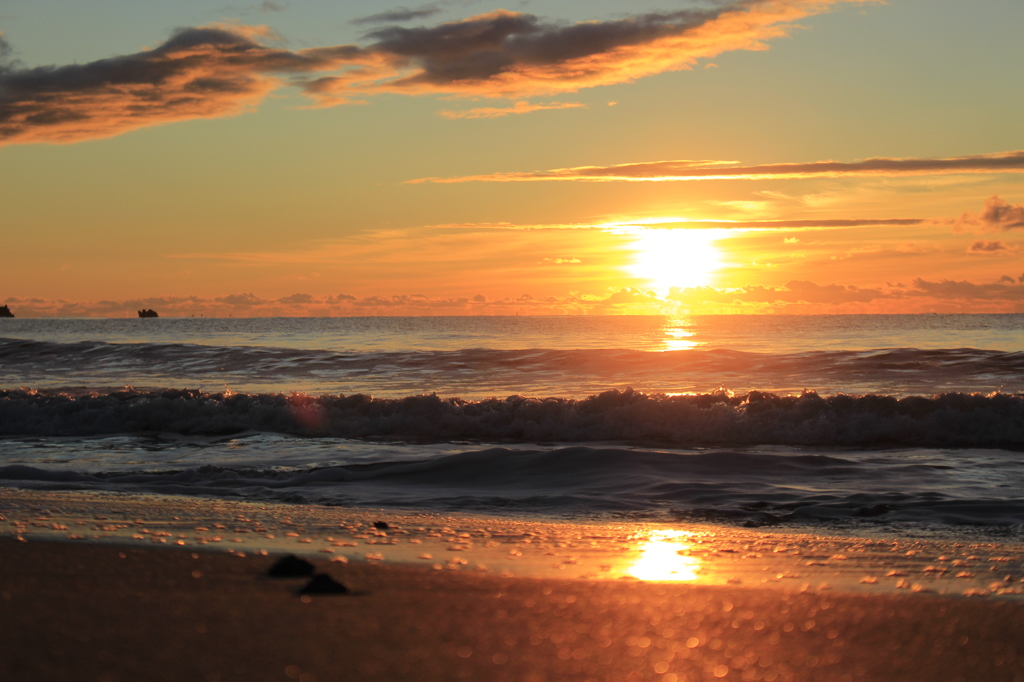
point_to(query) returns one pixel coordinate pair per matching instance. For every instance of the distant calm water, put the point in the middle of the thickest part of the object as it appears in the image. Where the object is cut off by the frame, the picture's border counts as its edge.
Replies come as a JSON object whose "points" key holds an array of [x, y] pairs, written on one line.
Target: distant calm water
{"points": [[862, 418]]}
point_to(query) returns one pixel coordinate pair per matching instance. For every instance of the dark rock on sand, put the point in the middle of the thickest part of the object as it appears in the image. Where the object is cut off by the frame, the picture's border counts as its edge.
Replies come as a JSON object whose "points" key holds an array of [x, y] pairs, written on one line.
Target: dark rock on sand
{"points": [[323, 584], [381, 525], [290, 566]]}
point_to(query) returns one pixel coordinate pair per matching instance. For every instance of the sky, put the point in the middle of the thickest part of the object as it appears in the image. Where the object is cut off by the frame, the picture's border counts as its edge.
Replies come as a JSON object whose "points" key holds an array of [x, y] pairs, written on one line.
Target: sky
{"points": [[463, 157]]}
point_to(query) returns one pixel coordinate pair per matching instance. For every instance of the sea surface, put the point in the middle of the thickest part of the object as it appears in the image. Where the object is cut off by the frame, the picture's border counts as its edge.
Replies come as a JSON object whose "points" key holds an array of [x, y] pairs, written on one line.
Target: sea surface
{"points": [[856, 420]]}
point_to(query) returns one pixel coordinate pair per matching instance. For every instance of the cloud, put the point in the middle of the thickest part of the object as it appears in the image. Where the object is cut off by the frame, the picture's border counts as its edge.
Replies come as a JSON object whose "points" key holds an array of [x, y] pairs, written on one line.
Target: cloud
{"points": [[198, 73], [801, 224], [681, 170], [922, 296], [517, 108], [267, 6], [997, 215], [796, 291], [398, 15], [296, 299], [987, 247], [241, 300], [801, 296], [221, 71], [949, 289], [514, 54]]}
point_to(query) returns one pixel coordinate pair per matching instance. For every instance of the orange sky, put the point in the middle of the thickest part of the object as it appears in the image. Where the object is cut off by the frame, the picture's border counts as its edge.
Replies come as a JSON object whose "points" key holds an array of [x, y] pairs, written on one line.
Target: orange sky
{"points": [[465, 158]]}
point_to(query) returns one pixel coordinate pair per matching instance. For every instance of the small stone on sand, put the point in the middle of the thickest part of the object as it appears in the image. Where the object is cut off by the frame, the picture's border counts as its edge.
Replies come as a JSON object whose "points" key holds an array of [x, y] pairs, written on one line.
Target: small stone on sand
{"points": [[290, 566], [322, 583]]}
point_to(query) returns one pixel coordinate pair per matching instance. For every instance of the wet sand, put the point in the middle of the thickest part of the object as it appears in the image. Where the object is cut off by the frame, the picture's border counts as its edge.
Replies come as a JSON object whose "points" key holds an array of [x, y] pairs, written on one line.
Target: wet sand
{"points": [[122, 600], [106, 612]]}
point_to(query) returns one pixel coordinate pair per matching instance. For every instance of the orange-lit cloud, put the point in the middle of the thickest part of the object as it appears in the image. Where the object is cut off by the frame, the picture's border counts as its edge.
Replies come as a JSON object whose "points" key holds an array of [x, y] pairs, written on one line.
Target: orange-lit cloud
{"points": [[513, 54], [521, 107], [665, 171], [221, 71], [198, 73]]}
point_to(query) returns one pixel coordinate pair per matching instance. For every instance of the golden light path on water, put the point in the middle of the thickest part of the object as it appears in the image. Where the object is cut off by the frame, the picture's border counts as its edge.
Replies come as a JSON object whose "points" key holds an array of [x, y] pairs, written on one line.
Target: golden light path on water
{"points": [[661, 558], [678, 338]]}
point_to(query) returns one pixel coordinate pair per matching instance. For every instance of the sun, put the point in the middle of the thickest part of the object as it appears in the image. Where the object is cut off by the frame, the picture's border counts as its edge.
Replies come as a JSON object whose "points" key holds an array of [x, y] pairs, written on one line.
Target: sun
{"points": [[676, 257]]}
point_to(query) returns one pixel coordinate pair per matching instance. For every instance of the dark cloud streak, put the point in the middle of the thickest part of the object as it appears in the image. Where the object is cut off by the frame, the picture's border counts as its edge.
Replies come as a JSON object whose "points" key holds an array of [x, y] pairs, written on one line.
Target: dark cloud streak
{"points": [[681, 170], [987, 247], [398, 15]]}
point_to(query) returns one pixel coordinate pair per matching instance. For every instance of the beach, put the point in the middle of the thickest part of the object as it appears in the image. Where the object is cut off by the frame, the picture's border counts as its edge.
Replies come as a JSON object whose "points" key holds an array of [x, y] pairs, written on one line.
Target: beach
{"points": [[513, 499], [118, 607], [548, 341]]}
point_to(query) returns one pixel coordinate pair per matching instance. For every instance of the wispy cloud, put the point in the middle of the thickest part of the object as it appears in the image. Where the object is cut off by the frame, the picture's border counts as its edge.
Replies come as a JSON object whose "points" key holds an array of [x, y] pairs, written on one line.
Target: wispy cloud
{"points": [[399, 15], [680, 170], [517, 108], [220, 71], [685, 224], [987, 247]]}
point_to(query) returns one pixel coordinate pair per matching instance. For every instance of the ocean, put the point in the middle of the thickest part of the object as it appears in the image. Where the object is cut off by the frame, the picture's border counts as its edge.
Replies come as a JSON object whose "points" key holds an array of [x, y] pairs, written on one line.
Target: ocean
{"points": [[854, 421]]}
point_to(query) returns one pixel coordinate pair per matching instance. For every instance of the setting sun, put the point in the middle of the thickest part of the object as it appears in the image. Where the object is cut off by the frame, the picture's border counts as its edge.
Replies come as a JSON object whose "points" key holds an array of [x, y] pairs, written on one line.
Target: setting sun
{"points": [[675, 257]]}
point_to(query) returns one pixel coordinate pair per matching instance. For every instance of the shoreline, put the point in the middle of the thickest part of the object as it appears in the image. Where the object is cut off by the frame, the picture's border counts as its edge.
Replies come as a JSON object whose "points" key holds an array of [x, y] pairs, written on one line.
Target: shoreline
{"points": [[800, 559]]}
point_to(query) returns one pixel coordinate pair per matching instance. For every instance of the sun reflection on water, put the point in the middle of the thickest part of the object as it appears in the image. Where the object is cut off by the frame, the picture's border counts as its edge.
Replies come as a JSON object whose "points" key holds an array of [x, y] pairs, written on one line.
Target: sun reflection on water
{"points": [[677, 338], [661, 558]]}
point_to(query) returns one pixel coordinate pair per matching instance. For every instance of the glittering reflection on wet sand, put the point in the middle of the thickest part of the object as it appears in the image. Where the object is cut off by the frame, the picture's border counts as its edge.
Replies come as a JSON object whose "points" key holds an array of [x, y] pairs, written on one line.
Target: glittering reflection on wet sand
{"points": [[535, 548], [663, 557]]}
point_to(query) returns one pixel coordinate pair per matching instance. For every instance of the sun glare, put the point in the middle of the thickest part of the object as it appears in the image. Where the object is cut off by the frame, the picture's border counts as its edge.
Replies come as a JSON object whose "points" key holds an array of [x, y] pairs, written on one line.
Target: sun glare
{"points": [[661, 558], [675, 257]]}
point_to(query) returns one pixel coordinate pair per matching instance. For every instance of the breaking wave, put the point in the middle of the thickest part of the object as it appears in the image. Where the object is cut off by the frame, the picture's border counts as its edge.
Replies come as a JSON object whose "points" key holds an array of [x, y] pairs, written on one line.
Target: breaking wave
{"points": [[718, 418]]}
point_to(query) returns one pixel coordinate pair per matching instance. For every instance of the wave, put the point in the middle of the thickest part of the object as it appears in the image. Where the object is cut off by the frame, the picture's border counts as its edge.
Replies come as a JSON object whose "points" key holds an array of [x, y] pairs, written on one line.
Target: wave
{"points": [[718, 418], [477, 373], [753, 488]]}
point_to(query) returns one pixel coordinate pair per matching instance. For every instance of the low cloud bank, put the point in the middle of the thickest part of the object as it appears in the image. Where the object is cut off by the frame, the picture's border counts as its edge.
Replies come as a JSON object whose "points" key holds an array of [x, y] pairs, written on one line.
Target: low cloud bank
{"points": [[797, 296]]}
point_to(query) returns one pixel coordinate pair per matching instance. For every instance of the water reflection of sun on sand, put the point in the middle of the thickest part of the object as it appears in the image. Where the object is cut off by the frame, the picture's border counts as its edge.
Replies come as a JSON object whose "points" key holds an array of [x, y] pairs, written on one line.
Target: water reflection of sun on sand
{"points": [[661, 558]]}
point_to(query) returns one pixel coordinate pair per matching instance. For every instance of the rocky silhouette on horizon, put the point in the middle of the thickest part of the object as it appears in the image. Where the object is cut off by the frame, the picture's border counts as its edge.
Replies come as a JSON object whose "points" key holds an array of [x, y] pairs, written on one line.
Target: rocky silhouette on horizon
{"points": [[148, 312], [5, 311]]}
